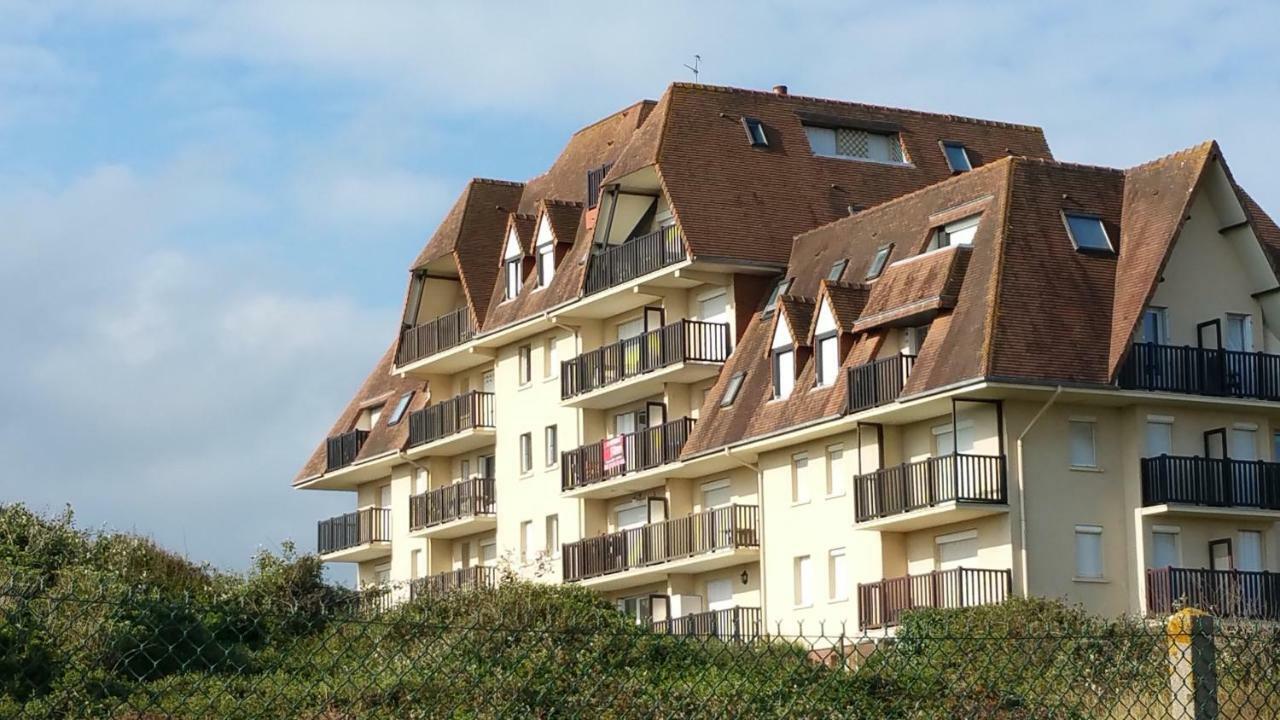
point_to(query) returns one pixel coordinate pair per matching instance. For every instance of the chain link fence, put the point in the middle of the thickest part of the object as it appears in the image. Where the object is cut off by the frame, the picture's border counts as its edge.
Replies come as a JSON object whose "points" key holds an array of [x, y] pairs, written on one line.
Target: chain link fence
{"points": [[530, 651]]}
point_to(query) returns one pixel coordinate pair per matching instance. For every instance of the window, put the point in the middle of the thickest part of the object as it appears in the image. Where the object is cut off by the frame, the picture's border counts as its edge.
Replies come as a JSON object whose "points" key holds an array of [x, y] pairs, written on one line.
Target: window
{"points": [[1159, 436], [956, 550], [553, 535], [553, 454], [844, 142], [1155, 326], [1089, 551], [778, 291], [511, 259], [421, 481], [526, 452], [1165, 547], [837, 575], [526, 363], [835, 470], [957, 157], [397, 413], [878, 262], [526, 540], [802, 579], [489, 553], [732, 388], [368, 417], [546, 264], [960, 232], [464, 469], [487, 466], [716, 494], [1086, 232], [837, 269], [1084, 452], [828, 359], [913, 339], [755, 132], [799, 484], [784, 373], [550, 359], [1239, 335], [415, 564]]}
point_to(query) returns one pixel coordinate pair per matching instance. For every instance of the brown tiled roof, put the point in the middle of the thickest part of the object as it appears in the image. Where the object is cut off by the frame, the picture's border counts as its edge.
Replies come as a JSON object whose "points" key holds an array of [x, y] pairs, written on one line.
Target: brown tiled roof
{"points": [[914, 287], [847, 301], [564, 218], [798, 312]]}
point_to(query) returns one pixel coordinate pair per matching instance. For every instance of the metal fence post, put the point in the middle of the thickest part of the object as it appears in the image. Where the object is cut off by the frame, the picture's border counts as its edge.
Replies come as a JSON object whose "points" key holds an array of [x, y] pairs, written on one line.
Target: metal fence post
{"points": [[1193, 677]]}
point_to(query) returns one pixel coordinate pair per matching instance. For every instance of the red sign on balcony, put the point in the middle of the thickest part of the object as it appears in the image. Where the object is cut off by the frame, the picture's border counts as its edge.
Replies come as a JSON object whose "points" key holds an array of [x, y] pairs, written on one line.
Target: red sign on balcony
{"points": [[615, 453]]}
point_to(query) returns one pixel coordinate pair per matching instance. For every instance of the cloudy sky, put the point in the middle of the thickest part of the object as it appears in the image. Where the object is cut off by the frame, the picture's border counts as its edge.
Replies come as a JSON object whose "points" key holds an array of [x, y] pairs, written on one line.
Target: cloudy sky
{"points": [[208, 209]]}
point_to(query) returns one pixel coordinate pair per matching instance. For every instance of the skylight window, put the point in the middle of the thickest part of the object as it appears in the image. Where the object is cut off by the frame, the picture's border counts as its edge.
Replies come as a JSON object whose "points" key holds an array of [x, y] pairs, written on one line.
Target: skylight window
{"points": [[397, 413], [960, 232], [731, 390], [778, 291], [1087, 232], [846, 142], [755, 132], [878, 262], [837, 269], [957, 157]]}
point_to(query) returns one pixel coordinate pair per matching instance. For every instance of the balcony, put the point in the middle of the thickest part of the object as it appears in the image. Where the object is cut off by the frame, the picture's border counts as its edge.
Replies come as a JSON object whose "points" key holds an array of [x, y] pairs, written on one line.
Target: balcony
{"points": [[447, 331], [635, 461], [455, 510], [341, 450], [457, 425], [638, 367], [881, 604], [1225, 593], [1201, 371], [696, 543], [1210, 486], [635, 258], [931, 492], [356, 536], [739, 624], [878, 383], [471, 578]]}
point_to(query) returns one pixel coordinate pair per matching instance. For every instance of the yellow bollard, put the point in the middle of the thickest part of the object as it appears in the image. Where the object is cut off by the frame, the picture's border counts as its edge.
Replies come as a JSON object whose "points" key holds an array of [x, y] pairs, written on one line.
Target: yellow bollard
{"points": [[1193, 682]]}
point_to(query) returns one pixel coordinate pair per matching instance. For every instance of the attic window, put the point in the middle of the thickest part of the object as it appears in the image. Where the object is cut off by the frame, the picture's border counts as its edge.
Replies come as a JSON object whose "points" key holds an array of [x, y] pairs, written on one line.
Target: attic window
{"points": [[778, 290], [878, 262], [1087, 232], [595, 181], [731, 390], [837, 269], [957, 157], [546, 253], [847, 142], [511, 264], [397, 413], [960, 232], [755, 132]]}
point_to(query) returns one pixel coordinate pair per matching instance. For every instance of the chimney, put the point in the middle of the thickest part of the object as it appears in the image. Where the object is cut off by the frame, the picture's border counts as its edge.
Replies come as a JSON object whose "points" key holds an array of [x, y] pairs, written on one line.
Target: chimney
{"points": [[779, 89]]}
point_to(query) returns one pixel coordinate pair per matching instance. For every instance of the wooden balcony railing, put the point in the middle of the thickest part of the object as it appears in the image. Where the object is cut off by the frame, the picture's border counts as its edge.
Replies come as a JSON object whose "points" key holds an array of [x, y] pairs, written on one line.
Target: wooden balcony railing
{"points": [[640, 450], [632, 259], [1210, 481], [1225, 593], [878, 383], [471, 578], [465, 499], [341, 450], [683, 341], [881, 604], [366, 525], [726, 528], [739, 624], [1201, 371], [925, 483], [449, 330], [462, 412]]}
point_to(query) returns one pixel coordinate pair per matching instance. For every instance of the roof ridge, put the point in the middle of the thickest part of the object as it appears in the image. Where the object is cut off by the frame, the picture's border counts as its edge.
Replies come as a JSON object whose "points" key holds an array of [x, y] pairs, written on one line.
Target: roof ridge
{"points": [[1204, 146], [614, 114], [1067, 164], [495, 181], [852, 103], [562, 203]]}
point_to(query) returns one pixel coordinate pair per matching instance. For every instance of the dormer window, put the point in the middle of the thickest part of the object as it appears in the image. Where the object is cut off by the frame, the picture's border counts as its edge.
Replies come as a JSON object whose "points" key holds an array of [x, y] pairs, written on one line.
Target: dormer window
{"points": [[731, 390], [511, 258], [879, 261], [755, 132], [783, 356], [397, 413], [546, 253], [1087, 232], [957, 157], [855, 143], [368, 417], [827, 344], [837, 269], [1154, 327], [960, 232], [778, 291]]}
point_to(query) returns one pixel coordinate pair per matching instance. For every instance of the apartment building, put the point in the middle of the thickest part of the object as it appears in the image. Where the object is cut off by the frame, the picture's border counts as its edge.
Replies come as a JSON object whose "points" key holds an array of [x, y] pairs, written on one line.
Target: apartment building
{"points": [[745, 359]]}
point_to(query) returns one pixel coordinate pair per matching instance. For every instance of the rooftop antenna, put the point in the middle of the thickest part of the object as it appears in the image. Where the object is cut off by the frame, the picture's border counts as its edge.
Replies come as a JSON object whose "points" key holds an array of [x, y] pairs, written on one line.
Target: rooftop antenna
{"points": [[697, 63]]}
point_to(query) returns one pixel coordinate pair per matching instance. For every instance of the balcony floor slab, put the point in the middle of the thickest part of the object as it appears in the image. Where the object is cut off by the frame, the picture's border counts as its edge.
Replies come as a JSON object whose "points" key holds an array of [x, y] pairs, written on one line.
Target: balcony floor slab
{"points": [[455, 444], [623, 484], [704, 562], [457, 528], [934, 516], [359, 553], [643, 386], [1210, 511]]}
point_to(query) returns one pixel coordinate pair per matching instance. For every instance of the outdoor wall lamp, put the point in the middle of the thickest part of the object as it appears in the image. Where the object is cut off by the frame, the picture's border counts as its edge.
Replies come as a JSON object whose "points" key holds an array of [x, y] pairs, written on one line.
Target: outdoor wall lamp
{"points": [[744, 577]]}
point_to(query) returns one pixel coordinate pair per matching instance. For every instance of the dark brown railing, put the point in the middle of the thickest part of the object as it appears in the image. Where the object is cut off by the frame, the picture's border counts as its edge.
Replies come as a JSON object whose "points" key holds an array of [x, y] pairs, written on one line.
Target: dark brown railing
{"points": [[1225, 593], [1210, 481], [635, 257], [472, 578], [881, 604], [1201, 371], [341, 450], [367, 525], [462, 412], [641, 450], [465, 499], [683, 341], [595, 180], [912, 486], [725, 528], [739, 624], [878, 383], [449, 330]]}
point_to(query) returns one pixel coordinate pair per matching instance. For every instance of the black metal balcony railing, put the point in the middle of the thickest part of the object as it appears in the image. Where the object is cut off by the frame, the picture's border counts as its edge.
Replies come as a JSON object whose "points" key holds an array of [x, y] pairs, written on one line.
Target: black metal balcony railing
{"points": [[632, 259], [367, 525], [881, 604], [925, 483], [1225, 593], [739, 624], [471, 578], [1210, 481], [726, 528], [462, 412], [449, 330], [341, 450], [469, 498], [878, 383], [683, 341], [641, 450], [595, 180], [1201, 371]]}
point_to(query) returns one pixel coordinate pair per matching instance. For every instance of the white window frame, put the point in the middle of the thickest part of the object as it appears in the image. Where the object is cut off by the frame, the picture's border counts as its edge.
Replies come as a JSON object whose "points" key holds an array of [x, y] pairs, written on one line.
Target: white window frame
{"points": [[524, 365], [802, 581], [1084, 531], [956, 232], [1079, 463], [784, 372], [526, 541], [1161, 314], [828, 368], [526, 453], [837, 575], [799, 483], [551, 445], [836, 485], [546, 261], [1176, 532], [1066, 222], [551, 530]]}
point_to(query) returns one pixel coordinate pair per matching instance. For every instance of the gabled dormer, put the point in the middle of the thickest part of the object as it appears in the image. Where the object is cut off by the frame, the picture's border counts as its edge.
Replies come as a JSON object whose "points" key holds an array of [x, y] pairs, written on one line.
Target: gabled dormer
{"points": [[789, 349], [516, 261], [838, 305]]}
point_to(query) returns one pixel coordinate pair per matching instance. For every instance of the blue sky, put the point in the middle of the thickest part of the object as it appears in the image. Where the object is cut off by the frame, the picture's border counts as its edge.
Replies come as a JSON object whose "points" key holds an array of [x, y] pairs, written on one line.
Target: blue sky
{"points": [[209, 208]]}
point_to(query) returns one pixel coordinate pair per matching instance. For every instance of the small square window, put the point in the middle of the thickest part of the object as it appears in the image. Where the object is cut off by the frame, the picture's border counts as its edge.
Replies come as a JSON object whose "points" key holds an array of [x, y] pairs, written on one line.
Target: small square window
{"points": [[957, 157], [755, 132], [837, 269], [1087, 232], [879, 261], [731, 390], [402, 404]]}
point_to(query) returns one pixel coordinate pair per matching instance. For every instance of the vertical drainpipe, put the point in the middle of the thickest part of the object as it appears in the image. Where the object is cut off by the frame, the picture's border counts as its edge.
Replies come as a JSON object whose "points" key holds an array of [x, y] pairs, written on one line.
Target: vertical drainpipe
{"points": [[1022, 492], [581, 439]]}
